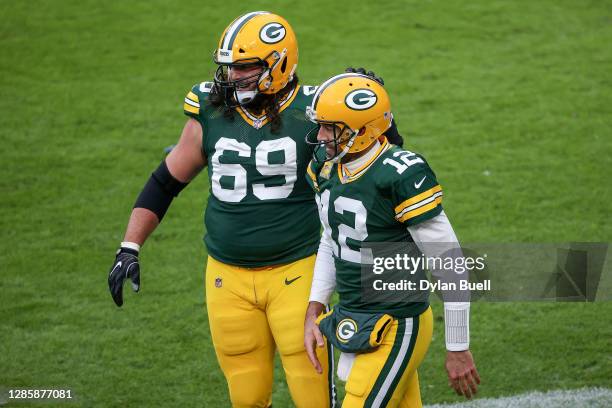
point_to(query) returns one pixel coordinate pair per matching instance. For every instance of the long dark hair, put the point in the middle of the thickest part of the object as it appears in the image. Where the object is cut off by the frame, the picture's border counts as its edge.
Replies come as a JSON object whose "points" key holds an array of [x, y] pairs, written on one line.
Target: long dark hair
{"points": [[269, 103]]}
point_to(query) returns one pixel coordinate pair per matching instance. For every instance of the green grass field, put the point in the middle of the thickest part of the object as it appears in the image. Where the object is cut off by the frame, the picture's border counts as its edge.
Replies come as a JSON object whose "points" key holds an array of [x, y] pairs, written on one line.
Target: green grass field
{"points": [[509, 101]]}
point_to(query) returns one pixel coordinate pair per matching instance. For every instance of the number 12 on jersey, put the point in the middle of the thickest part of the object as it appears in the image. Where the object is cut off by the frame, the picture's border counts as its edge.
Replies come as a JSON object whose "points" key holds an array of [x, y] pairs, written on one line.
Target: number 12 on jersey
{"points": [[358, 233], [406, 161]]}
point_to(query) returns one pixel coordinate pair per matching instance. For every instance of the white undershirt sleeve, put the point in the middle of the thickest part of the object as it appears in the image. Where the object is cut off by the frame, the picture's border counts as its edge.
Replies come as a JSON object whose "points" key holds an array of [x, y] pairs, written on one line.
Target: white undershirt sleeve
{"points": [[439, 232], [324, 278]]}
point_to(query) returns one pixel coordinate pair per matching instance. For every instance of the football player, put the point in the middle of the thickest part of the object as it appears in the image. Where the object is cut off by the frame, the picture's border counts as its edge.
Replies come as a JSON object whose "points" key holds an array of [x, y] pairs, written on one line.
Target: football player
{"points": [[371, 191], [262, 229]]}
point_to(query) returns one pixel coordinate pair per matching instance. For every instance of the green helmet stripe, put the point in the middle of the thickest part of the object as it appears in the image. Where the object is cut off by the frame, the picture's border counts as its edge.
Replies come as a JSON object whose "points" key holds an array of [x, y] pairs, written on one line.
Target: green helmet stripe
{"points": [[235, 27]]}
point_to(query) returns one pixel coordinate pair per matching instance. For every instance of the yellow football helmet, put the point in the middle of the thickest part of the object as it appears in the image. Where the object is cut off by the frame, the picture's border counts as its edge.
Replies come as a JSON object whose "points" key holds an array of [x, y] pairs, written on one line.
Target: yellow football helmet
{"points": [[258, 38], [358, 108]]}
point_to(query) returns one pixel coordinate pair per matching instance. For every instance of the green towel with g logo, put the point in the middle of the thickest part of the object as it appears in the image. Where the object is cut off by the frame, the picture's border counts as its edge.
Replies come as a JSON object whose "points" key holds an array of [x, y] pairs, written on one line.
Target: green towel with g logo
{"points": [[354, 332]]}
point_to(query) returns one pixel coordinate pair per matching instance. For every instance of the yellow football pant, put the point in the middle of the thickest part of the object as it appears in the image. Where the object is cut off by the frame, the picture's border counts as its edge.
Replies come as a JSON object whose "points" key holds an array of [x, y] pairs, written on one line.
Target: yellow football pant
{"points": [[251, 313], [388, 376]]}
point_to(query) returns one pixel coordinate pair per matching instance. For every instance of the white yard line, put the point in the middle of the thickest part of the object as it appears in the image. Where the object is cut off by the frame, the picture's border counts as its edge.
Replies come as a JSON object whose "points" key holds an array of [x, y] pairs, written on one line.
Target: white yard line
{"points": [[583, 397]]}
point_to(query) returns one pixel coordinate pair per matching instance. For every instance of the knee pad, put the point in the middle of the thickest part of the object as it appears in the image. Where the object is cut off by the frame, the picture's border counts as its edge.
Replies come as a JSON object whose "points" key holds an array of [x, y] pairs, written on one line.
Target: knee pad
{"points": [[249, 388], [359, 382]]}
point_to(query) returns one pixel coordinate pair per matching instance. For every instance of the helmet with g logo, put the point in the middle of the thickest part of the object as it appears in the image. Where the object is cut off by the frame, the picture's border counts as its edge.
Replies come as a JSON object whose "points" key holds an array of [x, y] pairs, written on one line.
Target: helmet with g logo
{"points": [[258, 38], [357, 106]]}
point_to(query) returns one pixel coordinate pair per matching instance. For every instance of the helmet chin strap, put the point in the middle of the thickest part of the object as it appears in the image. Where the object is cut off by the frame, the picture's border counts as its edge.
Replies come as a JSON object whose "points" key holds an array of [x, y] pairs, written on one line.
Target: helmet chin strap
{"points": [[346, 149]]}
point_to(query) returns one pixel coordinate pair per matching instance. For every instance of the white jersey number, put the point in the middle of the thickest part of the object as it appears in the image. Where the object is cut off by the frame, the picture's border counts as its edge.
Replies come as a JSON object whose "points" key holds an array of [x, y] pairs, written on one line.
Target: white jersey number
{"points": [[239, 191], [288, 169], [359, 232], [405, 157]]}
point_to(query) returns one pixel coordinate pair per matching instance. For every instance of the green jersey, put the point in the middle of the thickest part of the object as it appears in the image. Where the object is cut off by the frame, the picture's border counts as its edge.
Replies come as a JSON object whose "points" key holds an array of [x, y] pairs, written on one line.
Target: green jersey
{"points": [[260, 210], [376, 203]]}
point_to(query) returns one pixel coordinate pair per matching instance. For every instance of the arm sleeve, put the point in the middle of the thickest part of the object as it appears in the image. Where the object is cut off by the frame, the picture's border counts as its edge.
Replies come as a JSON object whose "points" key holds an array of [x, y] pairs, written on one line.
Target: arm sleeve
{"points": [[324, 278], [435, 238]]}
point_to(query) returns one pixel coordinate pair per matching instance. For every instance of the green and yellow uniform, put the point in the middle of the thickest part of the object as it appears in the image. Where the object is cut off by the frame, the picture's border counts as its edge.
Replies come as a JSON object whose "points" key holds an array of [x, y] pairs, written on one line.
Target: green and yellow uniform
{"points": [[260, 210], [262, 231], [394, 189]]}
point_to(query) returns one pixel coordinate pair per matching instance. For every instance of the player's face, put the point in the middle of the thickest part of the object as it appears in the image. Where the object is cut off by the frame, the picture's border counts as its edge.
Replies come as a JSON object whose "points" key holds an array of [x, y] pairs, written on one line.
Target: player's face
{"points": [[326, 135], [237, 73]]}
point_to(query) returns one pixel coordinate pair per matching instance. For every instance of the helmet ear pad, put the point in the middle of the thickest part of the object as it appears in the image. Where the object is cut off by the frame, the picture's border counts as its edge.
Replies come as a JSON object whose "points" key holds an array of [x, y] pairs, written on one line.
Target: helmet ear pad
{"points": [[276, 65]]}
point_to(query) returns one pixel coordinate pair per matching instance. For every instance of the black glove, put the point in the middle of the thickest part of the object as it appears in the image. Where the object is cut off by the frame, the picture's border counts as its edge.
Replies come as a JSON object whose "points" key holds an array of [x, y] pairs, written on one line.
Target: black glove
{"points": [[362, 71], [125, 266]]}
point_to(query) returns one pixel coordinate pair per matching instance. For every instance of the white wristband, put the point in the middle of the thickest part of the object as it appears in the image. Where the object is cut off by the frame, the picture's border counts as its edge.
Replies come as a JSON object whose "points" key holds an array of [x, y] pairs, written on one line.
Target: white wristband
{"points": [[457, 325], [130, 245]]}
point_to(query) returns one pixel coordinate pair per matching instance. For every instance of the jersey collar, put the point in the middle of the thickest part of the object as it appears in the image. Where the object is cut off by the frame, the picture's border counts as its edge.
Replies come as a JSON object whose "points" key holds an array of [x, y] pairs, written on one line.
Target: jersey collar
{"points": [[346, 176], [259, 121]]}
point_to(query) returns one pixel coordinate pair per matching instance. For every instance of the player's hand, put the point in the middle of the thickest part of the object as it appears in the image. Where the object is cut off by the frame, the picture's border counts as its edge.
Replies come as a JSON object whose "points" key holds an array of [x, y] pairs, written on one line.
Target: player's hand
{"points": [[362, 71], [312, 335], [462, 374], [125, 266]]}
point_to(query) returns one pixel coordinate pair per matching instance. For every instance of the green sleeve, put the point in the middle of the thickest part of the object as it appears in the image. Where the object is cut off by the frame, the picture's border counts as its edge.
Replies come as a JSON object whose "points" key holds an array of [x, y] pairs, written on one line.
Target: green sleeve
{"points": [[416, 193], [195, 97]]}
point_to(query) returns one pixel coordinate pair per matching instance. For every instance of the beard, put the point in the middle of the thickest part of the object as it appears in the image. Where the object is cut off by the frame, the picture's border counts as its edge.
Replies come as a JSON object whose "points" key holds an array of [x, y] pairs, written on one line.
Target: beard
{"points": [[260, 102]]}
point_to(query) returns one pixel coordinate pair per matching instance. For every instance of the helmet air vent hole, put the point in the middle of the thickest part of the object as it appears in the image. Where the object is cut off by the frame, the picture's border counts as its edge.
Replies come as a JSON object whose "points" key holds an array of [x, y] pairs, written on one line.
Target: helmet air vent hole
{"points": [[350, 84], [284, 65], [241, 51], [368, 84]]}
